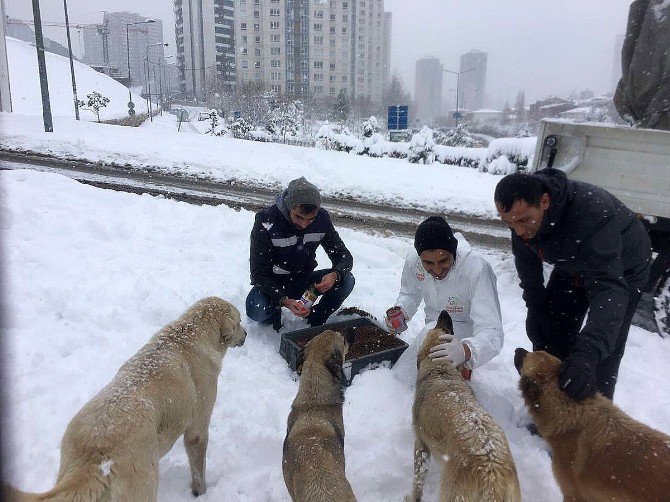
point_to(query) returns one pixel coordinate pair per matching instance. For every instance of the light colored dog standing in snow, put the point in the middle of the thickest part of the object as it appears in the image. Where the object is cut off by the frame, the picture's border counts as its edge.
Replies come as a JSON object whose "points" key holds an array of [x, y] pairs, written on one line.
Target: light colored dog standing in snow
{"points": [[313, 459], [450, 424], [111, 448]]}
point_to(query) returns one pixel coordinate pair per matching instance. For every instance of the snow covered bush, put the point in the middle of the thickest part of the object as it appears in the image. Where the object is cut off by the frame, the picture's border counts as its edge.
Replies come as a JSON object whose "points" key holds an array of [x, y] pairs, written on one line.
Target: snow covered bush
{"points": [[259, 135], [454, 137], [328, 139], [460, 156], [240, 128], [501, 165], [374, 146], [421, 147], [517, 150]]}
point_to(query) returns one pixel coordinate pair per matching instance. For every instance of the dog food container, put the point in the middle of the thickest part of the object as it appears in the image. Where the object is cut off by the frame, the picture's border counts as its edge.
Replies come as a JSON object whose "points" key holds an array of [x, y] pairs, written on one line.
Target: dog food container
{"points": [[292, 343]]}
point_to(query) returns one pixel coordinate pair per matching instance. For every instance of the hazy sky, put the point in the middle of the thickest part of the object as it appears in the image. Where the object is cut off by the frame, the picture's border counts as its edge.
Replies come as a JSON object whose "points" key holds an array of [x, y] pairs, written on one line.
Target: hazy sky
{"points": [[542, 46]]}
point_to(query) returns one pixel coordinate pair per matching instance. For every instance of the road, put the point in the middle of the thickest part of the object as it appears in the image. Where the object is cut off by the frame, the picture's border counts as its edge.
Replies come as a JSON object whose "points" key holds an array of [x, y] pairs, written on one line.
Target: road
{"points": [[350, 212]]}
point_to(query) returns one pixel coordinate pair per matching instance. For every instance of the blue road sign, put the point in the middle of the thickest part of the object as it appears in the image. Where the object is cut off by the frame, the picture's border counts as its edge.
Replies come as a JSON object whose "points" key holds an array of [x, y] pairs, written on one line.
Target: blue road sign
{"points": [[236, 115], [397, 117]]}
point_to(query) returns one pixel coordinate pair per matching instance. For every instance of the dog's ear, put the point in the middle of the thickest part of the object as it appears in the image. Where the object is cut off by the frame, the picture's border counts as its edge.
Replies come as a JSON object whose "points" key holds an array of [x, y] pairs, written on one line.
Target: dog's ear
{"points": [[445, 323], [334, 365]]}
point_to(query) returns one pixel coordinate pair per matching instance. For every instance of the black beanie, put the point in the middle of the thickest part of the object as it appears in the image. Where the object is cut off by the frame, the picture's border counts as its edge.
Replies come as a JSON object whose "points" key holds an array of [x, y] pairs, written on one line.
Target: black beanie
{"points": [[435, 233]]}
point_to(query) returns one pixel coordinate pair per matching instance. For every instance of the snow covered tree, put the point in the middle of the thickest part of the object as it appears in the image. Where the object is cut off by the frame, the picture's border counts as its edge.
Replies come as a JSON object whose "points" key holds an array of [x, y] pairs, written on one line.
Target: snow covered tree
{"points": [[421, 147], [370, 126], [94, 103], [285, 118], [340, 107], [240, 128]]}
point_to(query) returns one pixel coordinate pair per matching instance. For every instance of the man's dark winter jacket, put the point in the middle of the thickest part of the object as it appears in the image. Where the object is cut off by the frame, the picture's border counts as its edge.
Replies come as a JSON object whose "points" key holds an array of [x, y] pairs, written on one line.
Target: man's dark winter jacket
{"points": [[281, 253], [589, 234]]}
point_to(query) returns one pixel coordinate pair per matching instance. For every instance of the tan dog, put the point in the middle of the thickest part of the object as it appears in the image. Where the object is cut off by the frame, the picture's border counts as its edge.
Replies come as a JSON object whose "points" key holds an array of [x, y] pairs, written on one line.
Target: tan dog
{"points": [[450, 424], [599, 452], [313, 461], [111, 448]]}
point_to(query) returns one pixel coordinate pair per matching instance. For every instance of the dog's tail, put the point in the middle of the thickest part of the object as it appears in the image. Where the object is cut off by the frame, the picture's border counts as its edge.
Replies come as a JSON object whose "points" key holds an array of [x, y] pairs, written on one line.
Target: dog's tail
{"points": [[87, 488]]}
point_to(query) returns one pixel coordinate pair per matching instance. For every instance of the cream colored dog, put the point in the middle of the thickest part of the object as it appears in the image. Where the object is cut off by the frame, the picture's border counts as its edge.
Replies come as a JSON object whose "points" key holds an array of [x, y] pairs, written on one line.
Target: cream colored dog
{"points": [[450, 424], [111, 448], [313, 460], [599, 453]]}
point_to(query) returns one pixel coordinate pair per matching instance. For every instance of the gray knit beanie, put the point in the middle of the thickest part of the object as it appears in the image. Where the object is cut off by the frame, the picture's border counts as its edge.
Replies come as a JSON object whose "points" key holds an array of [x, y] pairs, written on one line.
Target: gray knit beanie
{"points": [[300, 192]]}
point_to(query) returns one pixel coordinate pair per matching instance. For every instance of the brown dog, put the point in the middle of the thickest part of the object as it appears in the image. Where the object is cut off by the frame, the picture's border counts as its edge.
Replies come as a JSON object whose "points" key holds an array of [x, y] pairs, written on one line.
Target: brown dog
{"points": [[313, 461], [599, 452], [111, 448], [450, 424]]}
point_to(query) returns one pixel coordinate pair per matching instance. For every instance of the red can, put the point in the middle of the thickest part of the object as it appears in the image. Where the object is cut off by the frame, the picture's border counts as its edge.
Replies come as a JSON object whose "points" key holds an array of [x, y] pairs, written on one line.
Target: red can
{"points": [[396, 319]]}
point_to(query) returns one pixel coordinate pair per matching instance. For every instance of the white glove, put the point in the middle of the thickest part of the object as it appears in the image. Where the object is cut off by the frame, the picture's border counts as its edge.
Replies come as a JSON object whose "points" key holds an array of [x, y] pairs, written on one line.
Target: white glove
{"points": [[451, 350]]}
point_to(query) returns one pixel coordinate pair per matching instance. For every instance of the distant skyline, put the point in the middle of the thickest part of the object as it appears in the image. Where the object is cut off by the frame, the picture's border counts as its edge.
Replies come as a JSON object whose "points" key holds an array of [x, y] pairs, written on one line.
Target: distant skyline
{"points": [[543, 47]]}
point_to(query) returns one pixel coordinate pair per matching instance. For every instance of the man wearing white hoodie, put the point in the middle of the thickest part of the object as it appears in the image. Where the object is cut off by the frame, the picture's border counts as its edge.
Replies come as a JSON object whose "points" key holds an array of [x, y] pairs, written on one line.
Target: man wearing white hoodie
{"points": [[446, 274]]}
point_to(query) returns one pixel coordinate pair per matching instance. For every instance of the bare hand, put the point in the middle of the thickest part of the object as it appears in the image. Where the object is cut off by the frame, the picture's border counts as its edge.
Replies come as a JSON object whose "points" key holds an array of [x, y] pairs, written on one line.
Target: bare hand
{"points": [[327, 282], [296, 307]]}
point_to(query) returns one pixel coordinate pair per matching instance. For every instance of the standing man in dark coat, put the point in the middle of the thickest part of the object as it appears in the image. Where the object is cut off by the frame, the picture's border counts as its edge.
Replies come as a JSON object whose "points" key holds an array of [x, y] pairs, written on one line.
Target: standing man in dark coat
{"points": [[601, 255], [284, 241]]}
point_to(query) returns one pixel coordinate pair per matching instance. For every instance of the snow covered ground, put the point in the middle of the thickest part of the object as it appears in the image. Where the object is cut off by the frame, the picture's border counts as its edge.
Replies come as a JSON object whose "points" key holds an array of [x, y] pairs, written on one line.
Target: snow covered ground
{"points": [[436, 187], [91, 274]]}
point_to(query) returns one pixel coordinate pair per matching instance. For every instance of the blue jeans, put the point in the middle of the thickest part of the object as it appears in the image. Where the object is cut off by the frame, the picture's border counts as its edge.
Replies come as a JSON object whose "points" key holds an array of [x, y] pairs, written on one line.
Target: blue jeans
{"points": [[261, 309]]}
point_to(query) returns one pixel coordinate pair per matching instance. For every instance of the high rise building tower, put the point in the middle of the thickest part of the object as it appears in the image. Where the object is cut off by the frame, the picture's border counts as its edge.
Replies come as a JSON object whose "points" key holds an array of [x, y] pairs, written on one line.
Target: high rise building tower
{"points": [[472, 80], [293, 47], [105, 44], [428, 88], [205, 35]]}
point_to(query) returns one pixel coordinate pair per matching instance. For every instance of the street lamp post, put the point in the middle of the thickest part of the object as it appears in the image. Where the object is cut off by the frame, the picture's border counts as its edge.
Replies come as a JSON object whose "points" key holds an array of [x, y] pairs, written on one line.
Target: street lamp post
{"points": [[151, 117], [69, 50], [146, 21], [162, 75], [458, 85]]}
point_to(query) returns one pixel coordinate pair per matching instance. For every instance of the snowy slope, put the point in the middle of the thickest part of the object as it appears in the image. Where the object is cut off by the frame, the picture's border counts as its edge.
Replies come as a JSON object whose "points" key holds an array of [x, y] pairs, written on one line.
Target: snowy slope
{"points": [[26, 93]]}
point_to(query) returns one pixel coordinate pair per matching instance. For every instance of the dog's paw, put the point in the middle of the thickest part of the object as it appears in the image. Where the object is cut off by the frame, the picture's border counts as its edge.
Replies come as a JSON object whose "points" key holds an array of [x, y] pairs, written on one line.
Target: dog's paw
{"points": [[198, 488]]}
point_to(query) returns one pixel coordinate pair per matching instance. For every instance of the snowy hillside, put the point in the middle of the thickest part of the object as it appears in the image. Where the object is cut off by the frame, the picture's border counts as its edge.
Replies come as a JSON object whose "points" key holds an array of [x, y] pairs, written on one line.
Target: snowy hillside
{"points": [[26, 93]]}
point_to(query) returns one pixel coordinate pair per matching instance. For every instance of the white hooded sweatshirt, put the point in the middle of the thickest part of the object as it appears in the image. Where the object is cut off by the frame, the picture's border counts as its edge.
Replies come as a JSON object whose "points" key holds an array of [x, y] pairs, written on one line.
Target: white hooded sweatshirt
{"points": [[468, 293]]}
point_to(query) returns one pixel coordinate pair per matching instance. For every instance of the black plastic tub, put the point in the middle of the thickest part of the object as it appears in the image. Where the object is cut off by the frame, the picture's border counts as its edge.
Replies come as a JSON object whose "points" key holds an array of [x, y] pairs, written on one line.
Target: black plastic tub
{"points": [[289, 348]]}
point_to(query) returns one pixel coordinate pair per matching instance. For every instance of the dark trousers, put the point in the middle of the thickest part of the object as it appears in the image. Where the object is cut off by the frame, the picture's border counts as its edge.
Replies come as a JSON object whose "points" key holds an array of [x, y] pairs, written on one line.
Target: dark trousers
{"points": [[261, 309], [567, 308]]}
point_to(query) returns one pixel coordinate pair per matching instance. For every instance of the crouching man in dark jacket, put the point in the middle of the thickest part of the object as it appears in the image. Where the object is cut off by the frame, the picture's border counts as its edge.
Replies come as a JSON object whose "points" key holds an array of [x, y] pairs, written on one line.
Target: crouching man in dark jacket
{"points": [[601, 255], [284, 241]]}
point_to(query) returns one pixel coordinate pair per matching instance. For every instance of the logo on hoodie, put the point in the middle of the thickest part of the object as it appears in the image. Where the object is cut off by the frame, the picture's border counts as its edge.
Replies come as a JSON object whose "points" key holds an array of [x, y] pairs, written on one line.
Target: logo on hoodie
{"points": [[454, 305]]}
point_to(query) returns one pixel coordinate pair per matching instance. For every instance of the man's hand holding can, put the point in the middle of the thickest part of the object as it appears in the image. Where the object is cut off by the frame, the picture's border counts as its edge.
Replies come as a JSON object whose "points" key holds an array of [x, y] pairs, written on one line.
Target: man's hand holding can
{"points": [[396, 319]]}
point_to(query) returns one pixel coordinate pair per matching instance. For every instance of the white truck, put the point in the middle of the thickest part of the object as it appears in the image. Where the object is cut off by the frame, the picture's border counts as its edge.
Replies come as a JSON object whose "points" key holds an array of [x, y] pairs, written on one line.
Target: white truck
{"points": [[634, 165]]}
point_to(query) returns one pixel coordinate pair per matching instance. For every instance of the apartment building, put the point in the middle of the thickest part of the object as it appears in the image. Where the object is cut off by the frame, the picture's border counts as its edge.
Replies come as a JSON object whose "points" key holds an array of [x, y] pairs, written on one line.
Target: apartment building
{"points": [[105, 44], [473, 80], [292, 47], [204, 32], [428, 74]]}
